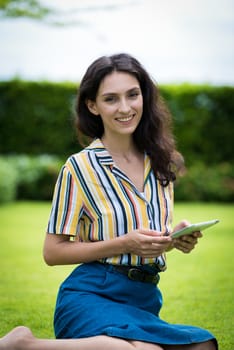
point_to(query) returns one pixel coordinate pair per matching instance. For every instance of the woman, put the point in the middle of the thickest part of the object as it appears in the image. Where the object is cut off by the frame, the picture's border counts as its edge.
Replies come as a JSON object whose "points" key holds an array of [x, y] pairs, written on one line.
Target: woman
{"points": [[115, 199]]}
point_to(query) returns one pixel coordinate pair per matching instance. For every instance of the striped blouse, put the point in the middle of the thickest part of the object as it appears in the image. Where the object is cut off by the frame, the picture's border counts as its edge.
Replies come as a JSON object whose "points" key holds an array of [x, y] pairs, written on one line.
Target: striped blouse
{"points": [[94, 200]]}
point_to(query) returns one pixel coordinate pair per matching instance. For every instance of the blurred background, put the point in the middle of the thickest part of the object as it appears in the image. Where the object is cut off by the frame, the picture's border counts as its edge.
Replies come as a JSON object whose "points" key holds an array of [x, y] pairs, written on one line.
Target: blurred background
{"points": [[47, 45], [176, 40], [187, 47]]}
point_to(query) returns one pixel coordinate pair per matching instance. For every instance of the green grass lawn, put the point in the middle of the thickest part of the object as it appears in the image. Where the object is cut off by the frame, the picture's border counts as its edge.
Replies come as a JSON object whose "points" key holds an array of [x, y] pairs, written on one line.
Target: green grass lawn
{"points": [[197, 288]]}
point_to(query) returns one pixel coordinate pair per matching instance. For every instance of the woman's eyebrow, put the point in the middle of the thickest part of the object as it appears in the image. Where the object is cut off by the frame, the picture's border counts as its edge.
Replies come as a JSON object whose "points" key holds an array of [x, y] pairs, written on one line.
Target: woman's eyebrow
{"points": [[116, 93]]}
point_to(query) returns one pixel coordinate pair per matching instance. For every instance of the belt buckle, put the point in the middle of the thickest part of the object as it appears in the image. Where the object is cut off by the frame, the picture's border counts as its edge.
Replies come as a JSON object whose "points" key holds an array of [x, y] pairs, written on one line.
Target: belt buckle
{"points": [[136, 274]]}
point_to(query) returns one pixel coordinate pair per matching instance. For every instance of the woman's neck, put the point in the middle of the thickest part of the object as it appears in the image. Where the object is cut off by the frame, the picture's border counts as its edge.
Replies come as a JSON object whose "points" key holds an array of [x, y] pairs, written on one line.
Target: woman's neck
{"points": [[124, 148]]}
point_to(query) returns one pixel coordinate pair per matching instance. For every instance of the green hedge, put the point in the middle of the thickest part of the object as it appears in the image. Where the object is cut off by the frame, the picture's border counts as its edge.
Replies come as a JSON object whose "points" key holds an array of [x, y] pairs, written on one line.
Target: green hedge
{"points": [[36, 117], [203, 121]]}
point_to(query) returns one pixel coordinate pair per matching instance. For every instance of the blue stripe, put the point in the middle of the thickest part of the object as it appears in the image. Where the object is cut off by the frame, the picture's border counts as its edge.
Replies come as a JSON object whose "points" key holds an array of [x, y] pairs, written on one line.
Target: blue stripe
{"points": [[154, 212], [84, 185], [111, 194], [131, 206]]}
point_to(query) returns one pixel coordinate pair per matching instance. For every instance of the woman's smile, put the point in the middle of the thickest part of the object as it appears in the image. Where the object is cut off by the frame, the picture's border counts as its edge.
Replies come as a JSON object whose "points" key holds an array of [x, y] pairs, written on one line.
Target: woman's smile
{"points": [[125, 120]]}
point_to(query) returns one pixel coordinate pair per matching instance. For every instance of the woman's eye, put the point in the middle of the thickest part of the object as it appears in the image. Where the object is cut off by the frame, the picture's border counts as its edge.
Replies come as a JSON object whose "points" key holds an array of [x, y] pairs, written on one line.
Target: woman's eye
{"points": [[110, 99], [134, 94]]}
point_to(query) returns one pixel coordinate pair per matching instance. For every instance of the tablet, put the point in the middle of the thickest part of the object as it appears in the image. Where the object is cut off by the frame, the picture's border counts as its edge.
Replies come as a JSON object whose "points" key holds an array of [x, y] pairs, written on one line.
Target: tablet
{"points": [[200, 226]]}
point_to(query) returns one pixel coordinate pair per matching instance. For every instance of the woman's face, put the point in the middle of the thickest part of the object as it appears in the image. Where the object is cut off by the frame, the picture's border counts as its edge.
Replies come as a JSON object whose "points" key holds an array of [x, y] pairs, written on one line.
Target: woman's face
{"points": [[119, 103]]}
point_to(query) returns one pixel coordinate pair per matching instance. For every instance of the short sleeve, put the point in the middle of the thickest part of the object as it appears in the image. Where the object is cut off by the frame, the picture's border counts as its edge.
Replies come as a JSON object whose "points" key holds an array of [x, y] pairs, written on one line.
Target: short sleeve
{"points": [[66, 206]]}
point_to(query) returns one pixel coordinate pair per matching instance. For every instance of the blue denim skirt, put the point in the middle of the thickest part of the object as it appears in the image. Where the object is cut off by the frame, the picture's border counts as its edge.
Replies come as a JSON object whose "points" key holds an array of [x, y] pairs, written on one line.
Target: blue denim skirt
{"points": [[95, 299]]}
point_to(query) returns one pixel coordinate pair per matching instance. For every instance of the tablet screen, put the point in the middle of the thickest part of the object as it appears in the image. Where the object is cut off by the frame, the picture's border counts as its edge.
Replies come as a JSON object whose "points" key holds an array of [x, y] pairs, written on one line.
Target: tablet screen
{"points": [[200, 226]]}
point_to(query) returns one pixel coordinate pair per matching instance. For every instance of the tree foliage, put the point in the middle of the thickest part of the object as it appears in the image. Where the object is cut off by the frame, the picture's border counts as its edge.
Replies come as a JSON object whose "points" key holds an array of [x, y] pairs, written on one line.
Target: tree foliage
{"points": [[34, 10], [24, 8]]}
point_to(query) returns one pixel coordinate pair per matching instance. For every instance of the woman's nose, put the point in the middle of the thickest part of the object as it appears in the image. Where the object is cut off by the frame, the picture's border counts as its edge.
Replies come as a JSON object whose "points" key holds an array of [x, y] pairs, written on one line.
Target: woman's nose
{"points": [[124, 106]]}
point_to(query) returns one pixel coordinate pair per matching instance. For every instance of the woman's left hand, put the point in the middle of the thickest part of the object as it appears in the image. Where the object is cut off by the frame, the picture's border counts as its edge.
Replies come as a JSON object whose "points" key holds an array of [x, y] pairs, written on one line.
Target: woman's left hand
{"points": [[186, 243]]}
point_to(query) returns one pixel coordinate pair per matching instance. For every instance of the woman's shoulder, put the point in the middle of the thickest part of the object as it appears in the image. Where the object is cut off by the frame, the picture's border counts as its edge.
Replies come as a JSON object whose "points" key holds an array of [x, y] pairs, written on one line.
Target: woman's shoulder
{"points": [[76, 158], [83, 155]]}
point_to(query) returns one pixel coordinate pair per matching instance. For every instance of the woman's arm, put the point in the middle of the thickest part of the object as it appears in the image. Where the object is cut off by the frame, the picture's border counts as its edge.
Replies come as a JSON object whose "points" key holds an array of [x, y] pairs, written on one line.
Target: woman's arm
{"points": [[59, 250]]}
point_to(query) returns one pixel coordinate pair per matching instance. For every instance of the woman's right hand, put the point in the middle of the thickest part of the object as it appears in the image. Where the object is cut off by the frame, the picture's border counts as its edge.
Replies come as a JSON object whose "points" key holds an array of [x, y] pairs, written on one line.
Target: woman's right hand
{"points": [[146, 243]]}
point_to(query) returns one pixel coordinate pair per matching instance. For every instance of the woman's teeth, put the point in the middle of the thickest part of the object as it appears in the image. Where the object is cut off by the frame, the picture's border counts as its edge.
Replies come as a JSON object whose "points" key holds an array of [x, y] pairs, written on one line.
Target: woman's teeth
{"points": [[126, 119]]}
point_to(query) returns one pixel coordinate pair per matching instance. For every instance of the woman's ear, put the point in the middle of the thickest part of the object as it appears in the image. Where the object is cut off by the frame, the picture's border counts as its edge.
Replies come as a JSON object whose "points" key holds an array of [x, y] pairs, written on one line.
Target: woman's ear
{"points": [[92, 107]]}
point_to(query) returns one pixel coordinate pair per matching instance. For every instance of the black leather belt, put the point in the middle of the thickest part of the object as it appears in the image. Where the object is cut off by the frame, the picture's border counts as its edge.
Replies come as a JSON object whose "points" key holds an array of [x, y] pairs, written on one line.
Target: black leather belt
{"points": [[137, 274]]}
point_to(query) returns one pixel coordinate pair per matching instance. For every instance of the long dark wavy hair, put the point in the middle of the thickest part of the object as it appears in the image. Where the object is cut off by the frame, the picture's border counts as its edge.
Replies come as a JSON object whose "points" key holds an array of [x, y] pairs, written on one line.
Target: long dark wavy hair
{"points": [[154, 132]]}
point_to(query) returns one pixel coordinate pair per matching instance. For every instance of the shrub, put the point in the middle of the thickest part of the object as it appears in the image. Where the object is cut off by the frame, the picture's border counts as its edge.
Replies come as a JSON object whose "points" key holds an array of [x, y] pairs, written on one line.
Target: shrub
{"points": [[8, 181], [206, 183], [36, 175]]}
